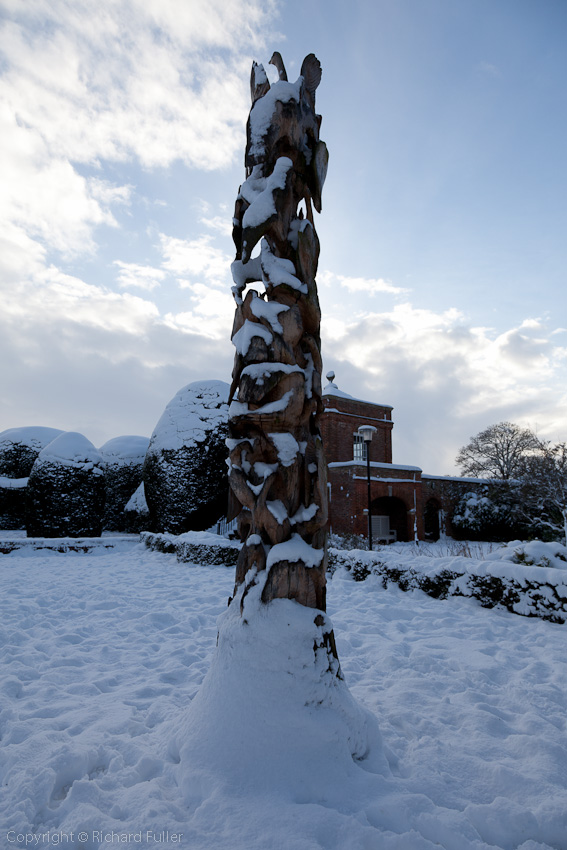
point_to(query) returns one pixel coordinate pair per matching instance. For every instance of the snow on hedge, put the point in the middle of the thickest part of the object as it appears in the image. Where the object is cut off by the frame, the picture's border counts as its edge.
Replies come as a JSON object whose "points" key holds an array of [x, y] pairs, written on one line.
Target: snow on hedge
{"points": [[185, 475], [65, 492], [193, 412], [72, 449], [534, 553], [123, 462], [523, 588], [137, 501], [19, 448], [125, 450]]}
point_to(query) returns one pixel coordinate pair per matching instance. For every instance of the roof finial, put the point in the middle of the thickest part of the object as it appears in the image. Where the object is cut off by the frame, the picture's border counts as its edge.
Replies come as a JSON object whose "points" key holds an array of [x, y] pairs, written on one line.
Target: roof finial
{"points": [[331, 377]]}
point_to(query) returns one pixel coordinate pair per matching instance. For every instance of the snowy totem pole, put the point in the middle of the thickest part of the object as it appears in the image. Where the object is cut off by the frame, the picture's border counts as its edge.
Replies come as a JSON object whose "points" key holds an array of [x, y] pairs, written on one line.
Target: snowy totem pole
{"points": [[277, 469]]}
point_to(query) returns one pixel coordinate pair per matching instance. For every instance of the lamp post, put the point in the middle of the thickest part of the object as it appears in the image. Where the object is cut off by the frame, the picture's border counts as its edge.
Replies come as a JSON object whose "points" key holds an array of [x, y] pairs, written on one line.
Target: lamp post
{"points": [[367, 432]]}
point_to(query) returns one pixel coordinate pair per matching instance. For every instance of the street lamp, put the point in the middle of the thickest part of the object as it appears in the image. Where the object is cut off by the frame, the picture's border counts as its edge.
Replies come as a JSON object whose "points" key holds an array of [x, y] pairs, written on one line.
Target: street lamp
{"points": [[367, 432]]}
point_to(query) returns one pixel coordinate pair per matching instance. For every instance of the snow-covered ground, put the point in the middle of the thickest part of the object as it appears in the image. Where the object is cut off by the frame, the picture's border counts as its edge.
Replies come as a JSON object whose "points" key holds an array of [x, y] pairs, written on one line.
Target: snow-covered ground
{"points": [[103, 653]]}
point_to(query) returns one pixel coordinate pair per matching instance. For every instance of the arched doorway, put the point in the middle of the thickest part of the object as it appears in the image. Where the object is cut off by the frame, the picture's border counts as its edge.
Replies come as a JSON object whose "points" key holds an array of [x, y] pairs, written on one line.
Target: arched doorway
{"points": [[431, 523], [396, 511]]}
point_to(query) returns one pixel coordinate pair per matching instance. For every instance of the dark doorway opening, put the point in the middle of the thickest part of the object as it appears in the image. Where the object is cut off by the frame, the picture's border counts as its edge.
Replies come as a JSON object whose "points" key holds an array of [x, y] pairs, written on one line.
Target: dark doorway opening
{"points": [[431, 522], [397, 512]]}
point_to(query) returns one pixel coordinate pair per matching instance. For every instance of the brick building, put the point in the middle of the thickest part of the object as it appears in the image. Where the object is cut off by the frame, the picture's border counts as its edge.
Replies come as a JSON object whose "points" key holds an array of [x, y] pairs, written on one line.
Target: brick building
{"points": [[405, 503]]}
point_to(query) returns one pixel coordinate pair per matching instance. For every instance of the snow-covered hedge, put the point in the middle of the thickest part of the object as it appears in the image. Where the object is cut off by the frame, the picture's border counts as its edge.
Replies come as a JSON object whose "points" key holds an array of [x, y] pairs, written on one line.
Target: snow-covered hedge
{"points": [[534, 553], [12, 502], [522, 588], [65, 490], [123, 459], [529, 590], [136, 513], [64, 545], [185, 472], [19, 448], [197, 547]]}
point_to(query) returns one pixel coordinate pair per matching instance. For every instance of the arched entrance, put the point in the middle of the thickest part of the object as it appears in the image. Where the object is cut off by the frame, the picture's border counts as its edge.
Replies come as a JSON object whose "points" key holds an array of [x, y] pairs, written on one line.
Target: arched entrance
{"points": [[431, 523], [396, 511]]}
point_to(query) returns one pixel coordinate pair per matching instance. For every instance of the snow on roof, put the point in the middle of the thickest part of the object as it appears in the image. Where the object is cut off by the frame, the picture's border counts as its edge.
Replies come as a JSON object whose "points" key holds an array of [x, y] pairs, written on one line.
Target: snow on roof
{"points": [[34, 436], [459, 478], [374, 464], [125, 448], [71, 449], [332, 389], [192, 413]]}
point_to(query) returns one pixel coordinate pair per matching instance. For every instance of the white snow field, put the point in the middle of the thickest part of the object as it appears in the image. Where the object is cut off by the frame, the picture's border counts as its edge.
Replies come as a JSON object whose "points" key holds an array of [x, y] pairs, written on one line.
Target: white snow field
{"points": [[103, 654]]}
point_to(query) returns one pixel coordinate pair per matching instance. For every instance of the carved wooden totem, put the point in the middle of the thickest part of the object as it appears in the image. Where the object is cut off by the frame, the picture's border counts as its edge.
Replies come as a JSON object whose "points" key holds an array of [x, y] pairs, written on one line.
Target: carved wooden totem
{"points": [[277, 469]]}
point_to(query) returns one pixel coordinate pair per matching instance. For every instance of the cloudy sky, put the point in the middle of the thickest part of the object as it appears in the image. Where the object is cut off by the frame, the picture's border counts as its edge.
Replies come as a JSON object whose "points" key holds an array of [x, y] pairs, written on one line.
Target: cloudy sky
{"points": [[442, 271]]}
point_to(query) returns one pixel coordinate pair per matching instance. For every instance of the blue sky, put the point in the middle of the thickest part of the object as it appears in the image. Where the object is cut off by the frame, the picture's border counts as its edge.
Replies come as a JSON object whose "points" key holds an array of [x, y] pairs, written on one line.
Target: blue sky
{"points": [[443, 231]]}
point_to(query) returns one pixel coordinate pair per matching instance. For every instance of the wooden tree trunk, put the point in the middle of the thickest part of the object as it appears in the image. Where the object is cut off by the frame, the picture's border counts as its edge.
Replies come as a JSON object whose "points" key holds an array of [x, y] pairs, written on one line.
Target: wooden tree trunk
{"points": [[277, 467]]}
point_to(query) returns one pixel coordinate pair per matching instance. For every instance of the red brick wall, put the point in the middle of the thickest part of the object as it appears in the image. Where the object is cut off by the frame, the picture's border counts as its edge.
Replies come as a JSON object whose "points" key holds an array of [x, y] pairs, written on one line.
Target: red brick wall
{"points": [[338, 428], [349, 497], [348, 484], [447, 492]]}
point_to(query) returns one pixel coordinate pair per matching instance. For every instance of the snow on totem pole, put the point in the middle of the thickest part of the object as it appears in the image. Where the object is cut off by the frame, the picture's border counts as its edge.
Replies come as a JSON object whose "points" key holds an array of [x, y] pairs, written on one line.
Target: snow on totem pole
{"points": [[277, 468]]}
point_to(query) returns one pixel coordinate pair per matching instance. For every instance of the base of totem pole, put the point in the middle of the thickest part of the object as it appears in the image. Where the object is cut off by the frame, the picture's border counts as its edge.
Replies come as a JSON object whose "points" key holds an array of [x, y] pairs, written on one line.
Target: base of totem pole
{"points": [[272, 716]]}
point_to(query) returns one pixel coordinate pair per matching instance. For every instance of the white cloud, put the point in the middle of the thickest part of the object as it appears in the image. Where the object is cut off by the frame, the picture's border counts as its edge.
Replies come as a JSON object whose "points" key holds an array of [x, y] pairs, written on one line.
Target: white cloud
{"points": [[155, 80], [137, 276], [20, 256], [108, 193], [490, 69], [447, 379], [54, 298], [98, 81], [148, 83], [104, 363], [195, 257], [112, 361], [219, 223], [45, 197], [370, 286]]}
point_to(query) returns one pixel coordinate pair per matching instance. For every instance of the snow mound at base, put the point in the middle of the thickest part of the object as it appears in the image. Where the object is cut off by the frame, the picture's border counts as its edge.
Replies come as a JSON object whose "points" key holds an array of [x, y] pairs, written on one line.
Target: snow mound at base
{"points": [[272, 717]]}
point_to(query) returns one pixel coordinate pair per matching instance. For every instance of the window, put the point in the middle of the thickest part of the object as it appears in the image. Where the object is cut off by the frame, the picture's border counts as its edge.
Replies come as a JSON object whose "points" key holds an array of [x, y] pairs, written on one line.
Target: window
{"points": [[359, 448]]}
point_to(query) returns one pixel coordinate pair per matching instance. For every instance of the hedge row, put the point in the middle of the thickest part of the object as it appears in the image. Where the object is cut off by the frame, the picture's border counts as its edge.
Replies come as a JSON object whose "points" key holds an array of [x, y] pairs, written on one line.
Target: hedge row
{"points": [[526, 594], [195, 547], [64, 544]]}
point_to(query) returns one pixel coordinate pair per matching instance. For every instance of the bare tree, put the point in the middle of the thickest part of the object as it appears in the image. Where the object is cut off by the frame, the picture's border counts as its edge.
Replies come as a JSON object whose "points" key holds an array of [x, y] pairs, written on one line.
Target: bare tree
{"points": [[497, 452], [544, 488]]}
